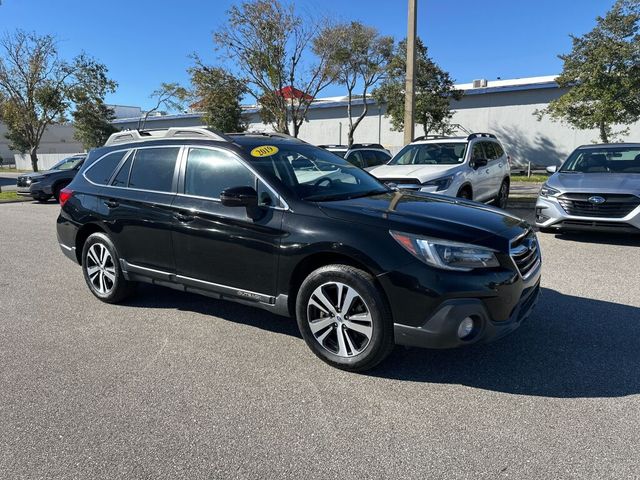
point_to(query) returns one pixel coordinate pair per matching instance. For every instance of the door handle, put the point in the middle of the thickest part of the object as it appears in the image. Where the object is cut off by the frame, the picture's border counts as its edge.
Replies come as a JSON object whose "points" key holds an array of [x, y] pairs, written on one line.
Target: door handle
{"points": [[500, 164], [488, 171], [111, 203], [184, 217]]}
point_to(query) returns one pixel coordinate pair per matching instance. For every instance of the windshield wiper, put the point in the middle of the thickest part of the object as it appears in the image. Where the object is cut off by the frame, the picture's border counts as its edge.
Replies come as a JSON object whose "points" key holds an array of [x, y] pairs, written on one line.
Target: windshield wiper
{"points": [[344, 195]]}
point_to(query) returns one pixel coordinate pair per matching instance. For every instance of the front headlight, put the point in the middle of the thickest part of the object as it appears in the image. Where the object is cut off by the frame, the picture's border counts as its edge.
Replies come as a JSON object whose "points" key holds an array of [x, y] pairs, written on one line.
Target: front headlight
{"points": [[35, 179], [547, 191], [440, 183], [445, 254]]}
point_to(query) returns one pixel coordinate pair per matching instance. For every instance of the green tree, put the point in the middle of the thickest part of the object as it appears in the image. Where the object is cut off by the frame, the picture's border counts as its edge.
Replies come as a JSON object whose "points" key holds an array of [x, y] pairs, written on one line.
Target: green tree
{"points": [[92, 123], [269, 43], [358, 57], [434, 90], [38, 87], [602, 72], [171, 96], [217, 94]]}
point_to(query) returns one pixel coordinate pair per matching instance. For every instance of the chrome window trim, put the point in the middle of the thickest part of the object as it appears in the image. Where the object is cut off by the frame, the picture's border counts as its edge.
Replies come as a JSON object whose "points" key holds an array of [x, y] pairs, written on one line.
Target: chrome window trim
{"points": [[84, 174], [279, 197]]}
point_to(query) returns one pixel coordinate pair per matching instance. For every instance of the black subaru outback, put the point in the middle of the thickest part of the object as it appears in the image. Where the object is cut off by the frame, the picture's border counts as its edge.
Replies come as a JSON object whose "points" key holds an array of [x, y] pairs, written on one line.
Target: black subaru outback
{"points": [[273, 222]]}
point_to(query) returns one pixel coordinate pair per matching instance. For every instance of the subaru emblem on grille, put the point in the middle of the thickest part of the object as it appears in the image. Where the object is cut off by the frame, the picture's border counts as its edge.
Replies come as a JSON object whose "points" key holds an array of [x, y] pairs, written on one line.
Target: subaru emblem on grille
{"points": [[596, 200]]}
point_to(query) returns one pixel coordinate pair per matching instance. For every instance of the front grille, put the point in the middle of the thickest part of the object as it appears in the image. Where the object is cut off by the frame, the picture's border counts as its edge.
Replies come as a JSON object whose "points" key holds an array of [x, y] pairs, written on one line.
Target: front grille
{"points": [[614, 205], [525, 253], [401, 181]]}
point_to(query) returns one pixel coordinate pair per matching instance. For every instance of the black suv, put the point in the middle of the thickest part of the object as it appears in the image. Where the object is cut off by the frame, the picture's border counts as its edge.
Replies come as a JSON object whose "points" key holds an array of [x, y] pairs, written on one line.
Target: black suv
{"points": [[273, 222], [48, 183]]}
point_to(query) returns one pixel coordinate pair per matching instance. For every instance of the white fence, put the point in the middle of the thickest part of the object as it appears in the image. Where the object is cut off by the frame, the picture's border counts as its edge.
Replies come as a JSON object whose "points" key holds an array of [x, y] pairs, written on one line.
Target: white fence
{"points": [[45, 160]]}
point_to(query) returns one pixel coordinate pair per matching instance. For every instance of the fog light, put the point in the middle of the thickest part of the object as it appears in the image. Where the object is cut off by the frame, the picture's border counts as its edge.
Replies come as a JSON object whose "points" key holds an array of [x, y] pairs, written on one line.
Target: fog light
{"points": [[465, 329]]}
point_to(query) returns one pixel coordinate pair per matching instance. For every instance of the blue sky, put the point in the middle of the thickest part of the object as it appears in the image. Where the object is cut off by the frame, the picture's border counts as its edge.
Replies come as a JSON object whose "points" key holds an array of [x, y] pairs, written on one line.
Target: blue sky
{"points": [[146, 42]]}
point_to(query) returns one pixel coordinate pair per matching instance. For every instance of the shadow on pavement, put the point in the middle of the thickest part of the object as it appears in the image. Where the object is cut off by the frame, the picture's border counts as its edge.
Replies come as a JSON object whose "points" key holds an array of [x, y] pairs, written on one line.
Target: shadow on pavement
{"points": [[570, 347], [151, 296], [628, 240]]}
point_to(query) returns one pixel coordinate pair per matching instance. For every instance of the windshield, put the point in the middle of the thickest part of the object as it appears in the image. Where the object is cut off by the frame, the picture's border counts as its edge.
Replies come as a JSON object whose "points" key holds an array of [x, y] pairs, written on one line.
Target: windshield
{"points": [[431, 154], [67, 163], [609, 159], [314, 174]]}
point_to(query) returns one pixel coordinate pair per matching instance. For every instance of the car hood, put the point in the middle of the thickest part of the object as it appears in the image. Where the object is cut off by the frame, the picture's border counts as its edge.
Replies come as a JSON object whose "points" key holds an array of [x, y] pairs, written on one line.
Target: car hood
{"points": [[596, 182], [423, 173], [431, 215], [44, 173]]}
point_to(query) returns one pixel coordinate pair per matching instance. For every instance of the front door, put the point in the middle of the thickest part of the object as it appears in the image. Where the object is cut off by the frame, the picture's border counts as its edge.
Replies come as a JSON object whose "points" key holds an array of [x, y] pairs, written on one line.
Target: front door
{"points": [[221, 248], [481, 183]]}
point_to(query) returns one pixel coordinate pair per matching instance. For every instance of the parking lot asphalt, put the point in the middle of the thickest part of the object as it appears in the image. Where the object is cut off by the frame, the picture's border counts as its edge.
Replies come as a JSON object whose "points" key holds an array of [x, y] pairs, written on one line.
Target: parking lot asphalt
{"points": [[173, 385]]}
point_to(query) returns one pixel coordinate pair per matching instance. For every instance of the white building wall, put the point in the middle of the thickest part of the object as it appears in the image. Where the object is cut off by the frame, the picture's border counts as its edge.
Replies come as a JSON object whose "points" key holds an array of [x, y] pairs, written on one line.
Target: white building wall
{"points": [[56, 139]]}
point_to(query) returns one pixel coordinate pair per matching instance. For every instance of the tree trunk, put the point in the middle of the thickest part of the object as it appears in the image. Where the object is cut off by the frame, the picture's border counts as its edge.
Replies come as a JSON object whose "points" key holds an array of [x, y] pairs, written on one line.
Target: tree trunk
{"points": [[603, 133], [34, 159]]}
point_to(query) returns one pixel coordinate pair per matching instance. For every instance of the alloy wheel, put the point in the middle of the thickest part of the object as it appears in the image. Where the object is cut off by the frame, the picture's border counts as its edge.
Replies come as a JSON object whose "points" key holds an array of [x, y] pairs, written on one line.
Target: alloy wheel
{"points": [[100, 268], [339, 319]]}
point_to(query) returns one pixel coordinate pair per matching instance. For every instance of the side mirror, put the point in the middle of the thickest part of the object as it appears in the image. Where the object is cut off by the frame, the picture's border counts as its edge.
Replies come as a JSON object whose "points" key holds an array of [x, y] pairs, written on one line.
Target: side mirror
{"points": [[239, 197], [552, 169], [479, 162]]}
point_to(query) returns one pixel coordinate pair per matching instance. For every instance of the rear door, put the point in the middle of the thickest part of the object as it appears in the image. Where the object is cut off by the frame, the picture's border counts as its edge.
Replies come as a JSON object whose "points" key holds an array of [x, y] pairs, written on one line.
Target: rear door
{"points": [[136, 207], [220, 248]]}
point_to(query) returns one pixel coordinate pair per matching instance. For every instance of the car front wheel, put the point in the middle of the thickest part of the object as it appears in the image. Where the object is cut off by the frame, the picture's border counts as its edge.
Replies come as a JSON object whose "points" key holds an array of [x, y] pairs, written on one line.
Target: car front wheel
{"points": [[101, 269], [503, 195], [344, 318]]}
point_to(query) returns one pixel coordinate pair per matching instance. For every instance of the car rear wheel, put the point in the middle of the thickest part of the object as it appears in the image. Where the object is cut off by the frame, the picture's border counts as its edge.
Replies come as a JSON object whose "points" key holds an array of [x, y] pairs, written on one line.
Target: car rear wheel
{"points": [[56, 190], [503, 195], [42, 198], [344, 318], [101, 269]]}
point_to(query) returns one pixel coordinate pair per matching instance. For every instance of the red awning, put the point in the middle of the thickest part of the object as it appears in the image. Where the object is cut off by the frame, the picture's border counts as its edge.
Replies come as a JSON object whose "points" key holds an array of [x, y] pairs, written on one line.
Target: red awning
{"points": [[290, 92]]}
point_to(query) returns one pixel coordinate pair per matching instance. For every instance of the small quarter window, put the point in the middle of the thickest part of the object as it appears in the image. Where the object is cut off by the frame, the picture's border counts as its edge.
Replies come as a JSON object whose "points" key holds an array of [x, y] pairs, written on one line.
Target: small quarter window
{"points": [[100, 172]]}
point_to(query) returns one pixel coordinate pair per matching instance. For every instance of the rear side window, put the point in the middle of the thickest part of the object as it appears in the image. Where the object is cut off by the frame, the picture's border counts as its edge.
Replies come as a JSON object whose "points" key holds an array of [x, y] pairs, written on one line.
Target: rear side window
{"points": [[100, 172], [122, 178], [153, 169], [499, 150], [209, 172]]}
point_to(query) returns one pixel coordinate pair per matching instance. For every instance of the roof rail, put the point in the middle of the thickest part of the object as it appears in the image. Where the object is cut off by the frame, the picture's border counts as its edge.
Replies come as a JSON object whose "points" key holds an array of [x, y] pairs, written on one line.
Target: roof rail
{"points": [[126, 136], [367, 145], [427, 137], [481, 134]]}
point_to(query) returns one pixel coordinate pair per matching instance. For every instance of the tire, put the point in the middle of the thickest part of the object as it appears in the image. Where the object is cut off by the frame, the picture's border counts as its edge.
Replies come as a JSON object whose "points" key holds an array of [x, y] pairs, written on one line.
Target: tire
{"points": [[337, 337], [503, 195], [56, 190], [465, 193], [101, 270], [549, 230], [42, 198]]}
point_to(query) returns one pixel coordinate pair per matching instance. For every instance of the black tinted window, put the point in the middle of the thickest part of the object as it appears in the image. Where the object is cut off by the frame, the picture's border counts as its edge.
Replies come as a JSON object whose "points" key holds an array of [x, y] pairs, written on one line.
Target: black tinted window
{"points": [[356, 159], [378, 158], [490, 151], [209, 172], [153, 168], [478, 152], [499, 150], [100, 172], [122, 178]]}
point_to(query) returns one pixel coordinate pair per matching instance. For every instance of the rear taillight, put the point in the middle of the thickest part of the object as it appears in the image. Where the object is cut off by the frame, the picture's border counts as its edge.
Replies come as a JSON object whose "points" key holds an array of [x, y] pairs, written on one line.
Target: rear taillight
{"points": [[65, 194]]}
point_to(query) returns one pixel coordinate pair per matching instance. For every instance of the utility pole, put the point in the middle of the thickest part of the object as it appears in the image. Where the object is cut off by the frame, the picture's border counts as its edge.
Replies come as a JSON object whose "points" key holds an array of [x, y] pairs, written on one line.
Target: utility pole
{"points": [[409, 94]]}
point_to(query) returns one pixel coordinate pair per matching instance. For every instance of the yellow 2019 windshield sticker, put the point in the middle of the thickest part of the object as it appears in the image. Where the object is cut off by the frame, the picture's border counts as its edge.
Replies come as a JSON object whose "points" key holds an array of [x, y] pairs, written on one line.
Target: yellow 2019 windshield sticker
{"points": [[264, 151]]}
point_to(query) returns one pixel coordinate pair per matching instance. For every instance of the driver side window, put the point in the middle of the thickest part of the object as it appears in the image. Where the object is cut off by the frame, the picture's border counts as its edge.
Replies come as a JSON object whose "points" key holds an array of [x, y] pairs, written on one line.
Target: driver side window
{"points": [[478, 152], [209, 172]]}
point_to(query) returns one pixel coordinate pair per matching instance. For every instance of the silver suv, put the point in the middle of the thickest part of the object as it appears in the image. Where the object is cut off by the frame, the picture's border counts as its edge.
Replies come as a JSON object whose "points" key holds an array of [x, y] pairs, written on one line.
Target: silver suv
{"points": [[474, 167], [596, 188]]}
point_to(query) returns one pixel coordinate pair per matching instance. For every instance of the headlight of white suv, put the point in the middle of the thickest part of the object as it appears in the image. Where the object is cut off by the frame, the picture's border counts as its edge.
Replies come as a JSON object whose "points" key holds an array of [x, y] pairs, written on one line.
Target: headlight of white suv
{"points": [[440, 183], [445, 254], [547, 191]]}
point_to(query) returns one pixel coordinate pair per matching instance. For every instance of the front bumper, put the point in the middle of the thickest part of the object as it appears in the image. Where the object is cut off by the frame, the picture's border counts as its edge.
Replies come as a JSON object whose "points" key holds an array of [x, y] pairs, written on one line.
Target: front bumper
{"points": [[551, 216], [429, 304], [25, 191]]}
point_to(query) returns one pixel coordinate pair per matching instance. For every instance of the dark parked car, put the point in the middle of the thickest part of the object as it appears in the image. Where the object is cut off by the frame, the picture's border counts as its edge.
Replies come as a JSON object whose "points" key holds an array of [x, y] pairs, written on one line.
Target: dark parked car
{"points": [[48, 183], [245, 218]]}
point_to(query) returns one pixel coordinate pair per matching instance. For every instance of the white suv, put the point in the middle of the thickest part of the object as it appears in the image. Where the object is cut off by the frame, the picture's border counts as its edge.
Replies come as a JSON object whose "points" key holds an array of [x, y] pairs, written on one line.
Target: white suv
{"points": [[474, 167]]}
